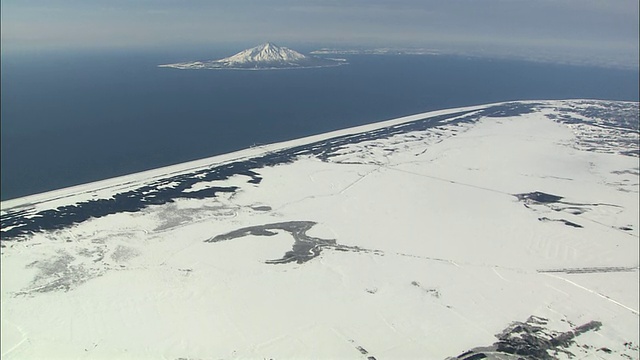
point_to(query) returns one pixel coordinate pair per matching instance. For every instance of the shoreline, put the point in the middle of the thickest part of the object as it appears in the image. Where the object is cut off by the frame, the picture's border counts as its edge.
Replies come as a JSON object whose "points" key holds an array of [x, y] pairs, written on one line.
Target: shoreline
{"points": [[137, 178]]}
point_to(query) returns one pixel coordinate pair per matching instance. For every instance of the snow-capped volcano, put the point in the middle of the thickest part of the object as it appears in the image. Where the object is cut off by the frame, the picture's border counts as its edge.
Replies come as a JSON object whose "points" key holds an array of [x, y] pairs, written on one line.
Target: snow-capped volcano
{"points": [[262, 57], [266, 52]]}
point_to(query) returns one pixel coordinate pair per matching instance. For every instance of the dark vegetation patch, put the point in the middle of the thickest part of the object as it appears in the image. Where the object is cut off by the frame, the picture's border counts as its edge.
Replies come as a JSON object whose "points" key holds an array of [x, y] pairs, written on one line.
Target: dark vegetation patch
{"points": [[530, 340], [538, 197], [566, 222]]}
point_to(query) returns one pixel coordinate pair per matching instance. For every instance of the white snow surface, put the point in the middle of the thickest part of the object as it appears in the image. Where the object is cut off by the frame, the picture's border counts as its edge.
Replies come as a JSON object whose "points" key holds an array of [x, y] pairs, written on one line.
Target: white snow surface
{"points": [[439, 255]]}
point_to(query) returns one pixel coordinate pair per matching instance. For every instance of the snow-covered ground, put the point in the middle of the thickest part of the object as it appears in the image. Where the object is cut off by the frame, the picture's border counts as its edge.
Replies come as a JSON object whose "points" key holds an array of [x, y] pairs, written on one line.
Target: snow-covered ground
{"points": [[416, 238]]}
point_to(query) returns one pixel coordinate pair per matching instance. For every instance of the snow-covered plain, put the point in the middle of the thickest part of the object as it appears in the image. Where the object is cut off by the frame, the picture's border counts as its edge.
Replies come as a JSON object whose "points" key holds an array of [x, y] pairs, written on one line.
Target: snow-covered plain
{"points": [[416, 238]]}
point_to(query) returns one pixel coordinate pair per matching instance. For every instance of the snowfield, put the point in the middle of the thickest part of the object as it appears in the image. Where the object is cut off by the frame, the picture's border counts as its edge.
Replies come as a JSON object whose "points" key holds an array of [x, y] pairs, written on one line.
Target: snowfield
{"points": [[482, 231]]}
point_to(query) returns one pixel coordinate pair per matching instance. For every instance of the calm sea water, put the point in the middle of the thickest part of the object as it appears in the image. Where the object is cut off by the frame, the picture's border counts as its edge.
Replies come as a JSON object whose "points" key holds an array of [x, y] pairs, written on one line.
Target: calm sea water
{"points": [[75, 118]]}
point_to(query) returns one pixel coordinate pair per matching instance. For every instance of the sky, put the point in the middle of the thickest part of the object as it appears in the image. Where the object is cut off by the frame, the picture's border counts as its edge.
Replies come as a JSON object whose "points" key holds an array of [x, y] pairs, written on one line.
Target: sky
{"points": [[605, 29]]}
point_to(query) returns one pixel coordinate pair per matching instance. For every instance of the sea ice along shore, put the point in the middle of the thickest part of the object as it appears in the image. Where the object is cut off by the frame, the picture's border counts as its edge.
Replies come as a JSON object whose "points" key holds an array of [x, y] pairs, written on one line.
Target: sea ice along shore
{"points": [[429, 236]]}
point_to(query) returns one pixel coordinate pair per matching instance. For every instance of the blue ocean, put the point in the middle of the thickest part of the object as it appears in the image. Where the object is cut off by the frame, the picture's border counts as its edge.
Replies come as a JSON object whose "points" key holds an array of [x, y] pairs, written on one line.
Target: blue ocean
{"points": [[72, 118]]}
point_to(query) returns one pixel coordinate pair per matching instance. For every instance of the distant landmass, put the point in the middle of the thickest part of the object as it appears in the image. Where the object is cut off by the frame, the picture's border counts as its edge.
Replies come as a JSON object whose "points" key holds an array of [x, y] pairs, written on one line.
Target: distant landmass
{"points": [[267, 56], [378, 51], [530, 55]]}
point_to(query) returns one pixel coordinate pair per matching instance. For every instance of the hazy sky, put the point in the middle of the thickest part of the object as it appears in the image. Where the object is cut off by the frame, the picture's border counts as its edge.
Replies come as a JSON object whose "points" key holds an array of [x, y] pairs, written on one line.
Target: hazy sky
{"points": [[598, 27]]}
